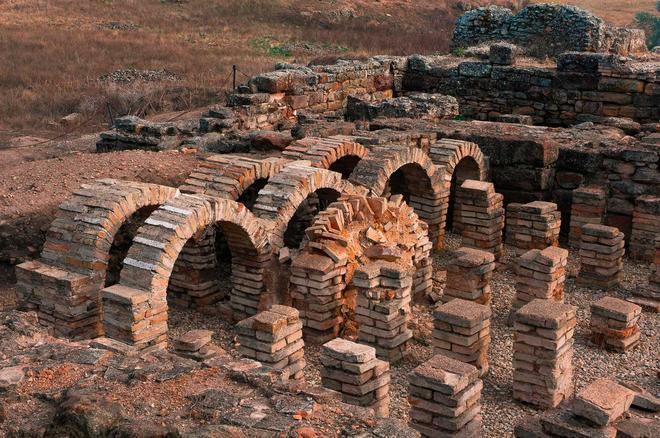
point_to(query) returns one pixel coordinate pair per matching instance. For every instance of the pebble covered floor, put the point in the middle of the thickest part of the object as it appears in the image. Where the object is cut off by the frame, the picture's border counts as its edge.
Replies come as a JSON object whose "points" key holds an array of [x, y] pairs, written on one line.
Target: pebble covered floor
{"points": [[500, 412]]}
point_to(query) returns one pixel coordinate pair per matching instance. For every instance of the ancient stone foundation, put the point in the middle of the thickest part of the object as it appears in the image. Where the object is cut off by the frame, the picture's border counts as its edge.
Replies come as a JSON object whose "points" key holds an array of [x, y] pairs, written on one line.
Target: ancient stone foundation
{"points": [[540, 274], [614, 324], [588, 207], [445, 398], [353, 370], [601, 253], [481, 216], [274, 338], [468, 276], [645, 228], [383, 308], [532, 226], [462, 332], [543, 353]]}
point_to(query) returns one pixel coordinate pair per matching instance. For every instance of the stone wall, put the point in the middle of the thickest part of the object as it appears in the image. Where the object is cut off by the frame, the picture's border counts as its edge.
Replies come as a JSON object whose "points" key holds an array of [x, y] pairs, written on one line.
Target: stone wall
{"points": [[542, 30]]}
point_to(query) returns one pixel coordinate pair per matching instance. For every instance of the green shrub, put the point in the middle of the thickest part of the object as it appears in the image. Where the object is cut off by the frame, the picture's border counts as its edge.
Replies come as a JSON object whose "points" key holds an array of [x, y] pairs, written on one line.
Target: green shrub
{"points": [[651, 25]]}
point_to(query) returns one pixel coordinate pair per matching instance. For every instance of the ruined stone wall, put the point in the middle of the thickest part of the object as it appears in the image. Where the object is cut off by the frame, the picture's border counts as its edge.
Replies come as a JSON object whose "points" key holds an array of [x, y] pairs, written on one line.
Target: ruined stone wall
{"points": [[546, 30], [580, 87]]}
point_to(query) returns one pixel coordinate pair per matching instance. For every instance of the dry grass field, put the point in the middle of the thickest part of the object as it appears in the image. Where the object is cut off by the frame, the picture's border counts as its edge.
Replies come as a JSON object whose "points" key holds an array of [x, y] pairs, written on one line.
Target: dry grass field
{"points": [[58, 56]]}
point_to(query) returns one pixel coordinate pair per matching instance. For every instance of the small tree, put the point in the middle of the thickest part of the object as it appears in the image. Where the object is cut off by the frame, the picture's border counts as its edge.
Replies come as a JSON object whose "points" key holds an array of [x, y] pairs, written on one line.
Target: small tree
{"points": [[651, 25]]}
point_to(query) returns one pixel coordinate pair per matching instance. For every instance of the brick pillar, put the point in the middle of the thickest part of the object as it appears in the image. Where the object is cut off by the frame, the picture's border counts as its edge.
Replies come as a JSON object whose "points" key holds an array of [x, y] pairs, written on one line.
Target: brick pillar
{"points": [[66, 301], [445, 398], [601, 253], [588, 207], [194, 279], [532, 226], [481, 216], [468, 276], [462, 332], [614, 324], [649, 297], [353, 370], [318, 294], [645, 228], [274, 338], [383, 308], [540, 274], [543, 352], [135, 317]]}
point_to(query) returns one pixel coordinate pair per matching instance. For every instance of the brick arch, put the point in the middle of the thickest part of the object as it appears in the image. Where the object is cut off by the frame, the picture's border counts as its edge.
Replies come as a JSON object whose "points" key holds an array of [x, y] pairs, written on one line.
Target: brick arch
{"points": [[409, 171], [230, 176], [350, 233], [142, 290], [287, 192], [338, 153], [78, 252], [457, 161]]}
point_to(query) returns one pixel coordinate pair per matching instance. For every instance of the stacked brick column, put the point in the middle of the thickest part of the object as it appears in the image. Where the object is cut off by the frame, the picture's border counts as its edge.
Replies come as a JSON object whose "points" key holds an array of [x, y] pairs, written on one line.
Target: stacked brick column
{"points": [[462, 332], [383, 308], [649, 297], [542, 353], [540, 274], [481, 216], [134, 317], [194, 279], [645, 228], [353, 370], [614, 324], [468, 276], [445, 398], [588, 207], [601, 253], [274, 338], [532, 226]]}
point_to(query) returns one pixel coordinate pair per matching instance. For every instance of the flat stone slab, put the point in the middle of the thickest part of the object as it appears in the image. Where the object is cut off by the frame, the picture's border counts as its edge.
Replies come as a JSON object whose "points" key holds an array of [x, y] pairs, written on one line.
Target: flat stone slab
{"points": [[462, 313], [472, 258], [617, 309], [348, 351], [597, 230], [545, 313], [444, 374], [603, 401]]}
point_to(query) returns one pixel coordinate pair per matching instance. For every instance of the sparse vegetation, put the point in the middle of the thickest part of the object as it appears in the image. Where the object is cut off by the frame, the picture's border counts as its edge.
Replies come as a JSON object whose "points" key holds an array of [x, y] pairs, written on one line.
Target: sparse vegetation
{"points": [[651, 24]]}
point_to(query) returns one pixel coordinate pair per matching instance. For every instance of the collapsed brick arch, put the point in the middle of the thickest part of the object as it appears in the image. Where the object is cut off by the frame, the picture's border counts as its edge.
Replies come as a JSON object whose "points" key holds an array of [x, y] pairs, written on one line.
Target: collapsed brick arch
{"points": [[390, 170], [83, 252], [135, 310], [352, 232], [457, 161], [338, 153], [290, 196]]}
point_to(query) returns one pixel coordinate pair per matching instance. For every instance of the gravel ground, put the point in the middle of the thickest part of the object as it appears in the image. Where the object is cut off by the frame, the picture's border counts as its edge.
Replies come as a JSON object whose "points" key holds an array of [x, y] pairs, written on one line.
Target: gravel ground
{"points": [[500, 411]]}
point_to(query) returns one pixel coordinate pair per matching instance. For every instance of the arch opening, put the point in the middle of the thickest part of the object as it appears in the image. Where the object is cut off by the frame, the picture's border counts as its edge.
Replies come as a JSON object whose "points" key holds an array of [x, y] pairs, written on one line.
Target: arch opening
{"points": [[315, 203], [251, 192], [345, 165], [410, 181], [467, 168]]}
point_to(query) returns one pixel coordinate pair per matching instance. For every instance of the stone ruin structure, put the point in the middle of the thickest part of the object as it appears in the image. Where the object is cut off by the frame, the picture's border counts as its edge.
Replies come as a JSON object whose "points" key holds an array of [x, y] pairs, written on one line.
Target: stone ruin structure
{"points": [[322, 192]]}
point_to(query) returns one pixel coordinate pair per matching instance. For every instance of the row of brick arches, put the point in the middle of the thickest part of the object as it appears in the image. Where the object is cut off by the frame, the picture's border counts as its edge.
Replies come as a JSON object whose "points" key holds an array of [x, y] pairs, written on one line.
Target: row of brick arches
{"points": [[118, 251]]}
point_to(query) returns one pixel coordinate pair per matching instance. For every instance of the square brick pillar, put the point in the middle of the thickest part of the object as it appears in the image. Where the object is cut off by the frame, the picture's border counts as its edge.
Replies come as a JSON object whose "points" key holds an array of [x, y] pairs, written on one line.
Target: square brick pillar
{"points": [[645, 228], [274, 338], [614, 324], [468, 276], [481, 216], [543, 353], [462, 332], [319, 284], [353, 370], [601, 253], [134, 317], [589, 206], [445, 398], [532, 226], [66, 301], [540, 274], [383, 308], [649, 297]]}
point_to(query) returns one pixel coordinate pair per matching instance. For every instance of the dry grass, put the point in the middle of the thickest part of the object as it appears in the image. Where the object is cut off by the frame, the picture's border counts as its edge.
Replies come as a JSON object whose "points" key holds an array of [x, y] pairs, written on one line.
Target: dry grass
{"points": [[54, 51]]}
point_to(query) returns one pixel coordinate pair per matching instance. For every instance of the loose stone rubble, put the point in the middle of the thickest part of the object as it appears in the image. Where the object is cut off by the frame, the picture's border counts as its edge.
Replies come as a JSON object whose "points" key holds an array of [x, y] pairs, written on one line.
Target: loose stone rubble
{"points": [[353, 370], [274, 338], [468, 276], [543, 353], [614, 324], [532, 226], [462, 332], [601, 252], [540, 274], [445, 397]]}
